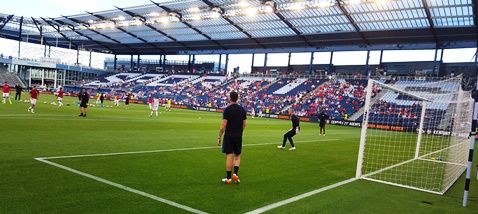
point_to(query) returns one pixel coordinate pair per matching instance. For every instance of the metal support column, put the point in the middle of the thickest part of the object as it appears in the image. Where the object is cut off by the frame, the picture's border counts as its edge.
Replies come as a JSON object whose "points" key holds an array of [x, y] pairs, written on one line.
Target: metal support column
{"points": [[115, 60], [131, 63], [265, 64], [252, 64], [441, 60], [20, 35], [366, 63], [227, 63], [89, 64], [78, 56], [193, 62], [138, 64], [219, 66], [330, 62], [435, 61], [161, 61], [164, 62], [311, 62], [288, 63]]}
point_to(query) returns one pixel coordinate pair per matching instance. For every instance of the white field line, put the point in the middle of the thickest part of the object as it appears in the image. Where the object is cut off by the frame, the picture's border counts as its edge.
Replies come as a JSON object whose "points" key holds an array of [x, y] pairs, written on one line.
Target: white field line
{"points": [[171, 150], [299, 197], [172, 203], [129, 189]]}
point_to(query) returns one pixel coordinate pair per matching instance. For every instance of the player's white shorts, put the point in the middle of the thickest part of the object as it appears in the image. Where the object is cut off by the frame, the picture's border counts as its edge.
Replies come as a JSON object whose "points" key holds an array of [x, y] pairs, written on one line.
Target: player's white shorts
{"points": [[60, 99], [33, 101], [154, 108], [6, 95]]}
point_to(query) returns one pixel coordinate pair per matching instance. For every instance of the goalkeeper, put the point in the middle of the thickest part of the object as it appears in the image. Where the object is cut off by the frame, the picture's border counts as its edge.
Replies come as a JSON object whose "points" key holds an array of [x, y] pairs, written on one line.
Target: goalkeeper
{"points": [[295, 130]]}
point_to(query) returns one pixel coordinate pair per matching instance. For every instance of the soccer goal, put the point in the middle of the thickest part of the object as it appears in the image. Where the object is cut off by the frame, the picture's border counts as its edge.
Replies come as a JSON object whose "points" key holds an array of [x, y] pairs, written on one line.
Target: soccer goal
{"points": [[415, 134]]}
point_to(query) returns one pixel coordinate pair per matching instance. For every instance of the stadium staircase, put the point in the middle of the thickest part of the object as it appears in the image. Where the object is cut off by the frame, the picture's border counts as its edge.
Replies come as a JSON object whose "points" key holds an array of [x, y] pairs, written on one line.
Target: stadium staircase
{"points": [[288, 87], [306, 96], [360, 110]]}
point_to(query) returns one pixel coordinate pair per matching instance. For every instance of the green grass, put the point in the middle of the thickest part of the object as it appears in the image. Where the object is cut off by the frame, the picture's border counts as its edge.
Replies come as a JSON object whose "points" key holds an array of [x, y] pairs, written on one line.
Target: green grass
{"points": [[188, 177]]}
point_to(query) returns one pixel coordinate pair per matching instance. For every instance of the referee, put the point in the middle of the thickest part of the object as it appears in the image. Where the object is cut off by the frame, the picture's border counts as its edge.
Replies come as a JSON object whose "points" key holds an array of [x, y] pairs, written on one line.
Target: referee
{"points": [[233, 124]]}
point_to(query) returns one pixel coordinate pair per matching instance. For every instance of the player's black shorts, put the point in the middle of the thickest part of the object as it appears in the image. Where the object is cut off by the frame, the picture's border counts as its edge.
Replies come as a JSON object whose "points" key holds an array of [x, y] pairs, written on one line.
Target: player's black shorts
{"points": [[84, 105], [126, 102], [232, 143]]}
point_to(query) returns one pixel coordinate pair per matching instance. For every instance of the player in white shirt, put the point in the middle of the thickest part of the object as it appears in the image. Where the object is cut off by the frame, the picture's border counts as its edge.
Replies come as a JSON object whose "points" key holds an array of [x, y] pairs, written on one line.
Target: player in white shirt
{"points": [[155, 106]]}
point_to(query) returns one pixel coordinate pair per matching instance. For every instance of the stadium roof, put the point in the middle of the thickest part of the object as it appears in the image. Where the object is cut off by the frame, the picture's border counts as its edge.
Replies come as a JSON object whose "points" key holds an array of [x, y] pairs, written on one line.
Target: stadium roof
{"points": [[240, 26]]}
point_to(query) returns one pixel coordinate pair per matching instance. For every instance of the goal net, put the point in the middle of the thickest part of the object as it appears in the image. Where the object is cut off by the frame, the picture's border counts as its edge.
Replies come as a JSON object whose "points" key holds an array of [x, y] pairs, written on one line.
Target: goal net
{"points": [[415, 133]]}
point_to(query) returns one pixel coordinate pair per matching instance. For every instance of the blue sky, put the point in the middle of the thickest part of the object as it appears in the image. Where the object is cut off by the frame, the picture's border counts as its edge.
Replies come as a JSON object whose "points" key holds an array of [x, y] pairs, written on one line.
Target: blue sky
{"points": [[55, 8]]}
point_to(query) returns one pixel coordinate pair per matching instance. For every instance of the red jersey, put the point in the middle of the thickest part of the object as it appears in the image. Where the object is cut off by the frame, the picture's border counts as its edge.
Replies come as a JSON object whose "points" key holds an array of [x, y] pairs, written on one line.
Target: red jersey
{"points": [[34, 93], [6, 88], [150, 100], [60, 94]]}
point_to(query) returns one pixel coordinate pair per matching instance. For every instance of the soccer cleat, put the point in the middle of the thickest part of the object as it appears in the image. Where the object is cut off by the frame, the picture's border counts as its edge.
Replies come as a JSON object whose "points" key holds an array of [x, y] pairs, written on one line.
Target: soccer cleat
{"points": [[280, 147], [33, 112], [84, 115], [28, 110], [227, 181], [81, 115], [10, 102], [292, 149], [235, 178]]}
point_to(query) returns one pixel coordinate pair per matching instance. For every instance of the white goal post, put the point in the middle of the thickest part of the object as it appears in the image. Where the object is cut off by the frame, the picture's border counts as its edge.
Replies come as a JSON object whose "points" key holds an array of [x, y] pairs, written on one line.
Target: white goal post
{"points": [[415, 134]]}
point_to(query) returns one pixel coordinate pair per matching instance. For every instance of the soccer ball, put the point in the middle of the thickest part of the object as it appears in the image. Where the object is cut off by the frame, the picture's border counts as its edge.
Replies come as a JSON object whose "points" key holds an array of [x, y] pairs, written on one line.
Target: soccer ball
{"points": [[44, 102]]}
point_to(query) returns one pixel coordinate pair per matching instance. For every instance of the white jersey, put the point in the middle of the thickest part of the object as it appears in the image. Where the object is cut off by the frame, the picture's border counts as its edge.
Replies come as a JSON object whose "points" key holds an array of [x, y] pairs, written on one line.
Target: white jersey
{"points": [[155, 104]]}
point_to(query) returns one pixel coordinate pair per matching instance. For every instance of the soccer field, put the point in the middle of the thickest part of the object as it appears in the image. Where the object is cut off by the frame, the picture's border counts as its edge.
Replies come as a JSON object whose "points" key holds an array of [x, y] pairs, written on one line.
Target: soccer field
{"points": [[122, 161]]}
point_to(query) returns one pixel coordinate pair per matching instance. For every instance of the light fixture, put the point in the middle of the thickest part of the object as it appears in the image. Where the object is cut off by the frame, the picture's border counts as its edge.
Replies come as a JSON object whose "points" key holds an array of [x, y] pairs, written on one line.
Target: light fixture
{"points": [[91, 21], [251, 11], [243, 3], [216, 12], [175, 16], [164, 20], [194, 9], [270, 7], [196, 17], [154, 14]]}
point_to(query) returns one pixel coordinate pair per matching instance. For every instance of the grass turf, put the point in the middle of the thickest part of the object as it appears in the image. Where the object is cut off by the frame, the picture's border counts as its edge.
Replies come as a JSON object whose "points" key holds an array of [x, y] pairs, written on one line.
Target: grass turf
{"points": [[188, 177]]}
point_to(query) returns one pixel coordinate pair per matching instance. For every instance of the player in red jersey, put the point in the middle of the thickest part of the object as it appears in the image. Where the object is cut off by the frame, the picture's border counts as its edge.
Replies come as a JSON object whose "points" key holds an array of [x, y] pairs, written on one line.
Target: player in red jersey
{"points": [[33, 99], [6, 93], [150, 102], [60, 97]]}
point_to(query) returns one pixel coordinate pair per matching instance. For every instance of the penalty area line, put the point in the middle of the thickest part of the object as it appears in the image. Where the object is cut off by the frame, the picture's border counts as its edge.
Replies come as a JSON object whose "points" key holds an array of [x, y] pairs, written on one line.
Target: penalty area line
{"points": [[299, 197], [171, 150], [129, 189]]}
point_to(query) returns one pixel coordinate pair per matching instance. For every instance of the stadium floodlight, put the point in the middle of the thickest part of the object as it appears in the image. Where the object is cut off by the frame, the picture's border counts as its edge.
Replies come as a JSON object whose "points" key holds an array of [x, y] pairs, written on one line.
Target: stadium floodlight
{"points": [[251, 11], [153, 14], [415, 134], [175, 16], [243, 3], [164, 20], [270, 7], [194, 9], [91, 21], [216, 12]]}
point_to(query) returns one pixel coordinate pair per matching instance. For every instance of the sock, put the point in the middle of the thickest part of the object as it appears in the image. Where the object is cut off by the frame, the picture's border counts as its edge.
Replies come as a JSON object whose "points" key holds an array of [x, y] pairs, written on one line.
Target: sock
{"points": [[156, 114], [228, 173], [291, 142], [236, 169], [151, 114], [3, 99]]}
